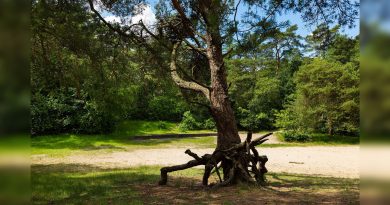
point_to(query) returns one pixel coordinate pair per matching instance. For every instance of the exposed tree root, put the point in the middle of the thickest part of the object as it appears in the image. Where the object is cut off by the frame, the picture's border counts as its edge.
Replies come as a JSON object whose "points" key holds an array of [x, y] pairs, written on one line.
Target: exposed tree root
{"points": [[242, 163]]}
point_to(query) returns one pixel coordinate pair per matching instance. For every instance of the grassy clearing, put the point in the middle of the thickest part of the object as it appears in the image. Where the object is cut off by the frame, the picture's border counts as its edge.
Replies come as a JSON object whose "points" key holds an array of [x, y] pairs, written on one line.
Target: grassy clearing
{"points": [[121, 140], [60, 145], [75, 184], [139, 128]]}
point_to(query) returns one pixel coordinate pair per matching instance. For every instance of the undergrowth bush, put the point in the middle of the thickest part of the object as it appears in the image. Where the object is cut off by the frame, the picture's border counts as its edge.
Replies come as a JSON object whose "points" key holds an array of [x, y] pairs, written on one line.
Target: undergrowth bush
{"points": [[192, 122], [209, 124], [189, 122], [295, 136], [62, 113]]}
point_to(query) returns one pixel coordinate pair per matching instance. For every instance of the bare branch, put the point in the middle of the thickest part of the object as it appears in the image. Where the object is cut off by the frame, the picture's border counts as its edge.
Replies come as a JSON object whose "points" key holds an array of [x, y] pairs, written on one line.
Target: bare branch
{"points": [[201, 51], [116, 29], [235, 21], [145, 28], [187, 23], [270, 13], [228, 52]]}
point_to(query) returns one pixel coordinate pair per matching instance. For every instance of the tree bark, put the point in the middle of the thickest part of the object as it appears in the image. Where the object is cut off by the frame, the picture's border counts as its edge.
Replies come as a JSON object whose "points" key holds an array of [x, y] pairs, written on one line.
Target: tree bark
{"points": [[221, 109]]}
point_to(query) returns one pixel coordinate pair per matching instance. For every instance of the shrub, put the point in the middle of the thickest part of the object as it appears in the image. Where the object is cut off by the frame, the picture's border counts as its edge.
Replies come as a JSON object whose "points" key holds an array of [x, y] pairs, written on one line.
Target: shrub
{"points": [[165, 108], [61, 113], [189, 122], [253, 121], [96, 120], [209, 124], [162, 125], [295, 136]]}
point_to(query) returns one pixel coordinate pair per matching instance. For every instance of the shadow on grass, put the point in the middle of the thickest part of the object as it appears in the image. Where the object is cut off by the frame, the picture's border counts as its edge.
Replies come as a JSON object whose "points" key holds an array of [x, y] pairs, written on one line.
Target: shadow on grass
{"points": [[336, 139], [81, 184], [297, 181]]}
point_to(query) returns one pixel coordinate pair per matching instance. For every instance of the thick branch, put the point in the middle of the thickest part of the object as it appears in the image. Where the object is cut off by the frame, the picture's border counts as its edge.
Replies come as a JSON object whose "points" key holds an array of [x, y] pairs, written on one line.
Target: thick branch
{"points": [[166, 170], [253, 143], [183, 83], [195, 156]]}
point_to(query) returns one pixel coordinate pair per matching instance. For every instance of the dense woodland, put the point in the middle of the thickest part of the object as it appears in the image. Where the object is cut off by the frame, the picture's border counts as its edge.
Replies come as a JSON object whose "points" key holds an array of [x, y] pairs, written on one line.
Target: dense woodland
{"points": [[86, 78]]}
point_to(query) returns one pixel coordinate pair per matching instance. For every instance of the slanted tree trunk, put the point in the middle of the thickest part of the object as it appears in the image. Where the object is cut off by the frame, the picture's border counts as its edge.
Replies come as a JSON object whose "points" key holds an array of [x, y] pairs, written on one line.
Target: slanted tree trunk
{"points": [[221, 109]]}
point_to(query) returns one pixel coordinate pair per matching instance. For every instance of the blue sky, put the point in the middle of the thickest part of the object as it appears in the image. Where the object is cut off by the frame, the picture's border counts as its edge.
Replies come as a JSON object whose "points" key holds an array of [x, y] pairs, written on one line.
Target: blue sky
{"points": [[303, 30]]}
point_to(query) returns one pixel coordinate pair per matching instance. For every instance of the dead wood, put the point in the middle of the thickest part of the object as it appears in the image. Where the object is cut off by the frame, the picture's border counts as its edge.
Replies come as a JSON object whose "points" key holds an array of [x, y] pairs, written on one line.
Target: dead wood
{"points": [[234, 162]]}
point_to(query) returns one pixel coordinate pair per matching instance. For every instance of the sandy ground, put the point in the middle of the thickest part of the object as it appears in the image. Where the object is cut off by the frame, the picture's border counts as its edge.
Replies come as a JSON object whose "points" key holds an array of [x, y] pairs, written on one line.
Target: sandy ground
{"points": [[336, 161]]}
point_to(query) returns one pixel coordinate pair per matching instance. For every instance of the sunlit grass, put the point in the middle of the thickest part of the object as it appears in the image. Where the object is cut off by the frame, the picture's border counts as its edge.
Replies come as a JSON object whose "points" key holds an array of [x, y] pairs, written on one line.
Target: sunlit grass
{"points": [[60, 145], [121, 139], [139, 128]]}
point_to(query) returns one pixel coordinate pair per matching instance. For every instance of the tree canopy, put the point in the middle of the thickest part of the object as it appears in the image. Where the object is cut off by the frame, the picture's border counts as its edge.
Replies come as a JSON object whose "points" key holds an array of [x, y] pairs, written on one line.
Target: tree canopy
{"points": [[88, 72]]}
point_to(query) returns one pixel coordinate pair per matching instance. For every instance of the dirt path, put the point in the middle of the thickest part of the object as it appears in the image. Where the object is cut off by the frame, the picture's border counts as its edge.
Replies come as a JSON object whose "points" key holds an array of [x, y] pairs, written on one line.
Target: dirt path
{"points": [[337, 161]]}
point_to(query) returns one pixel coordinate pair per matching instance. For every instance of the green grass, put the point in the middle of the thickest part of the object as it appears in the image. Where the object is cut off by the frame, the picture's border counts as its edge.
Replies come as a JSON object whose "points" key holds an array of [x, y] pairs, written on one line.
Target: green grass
{"points": [[139, 128], [120, 140], [78, 184], [61, 145], [321, 140]]}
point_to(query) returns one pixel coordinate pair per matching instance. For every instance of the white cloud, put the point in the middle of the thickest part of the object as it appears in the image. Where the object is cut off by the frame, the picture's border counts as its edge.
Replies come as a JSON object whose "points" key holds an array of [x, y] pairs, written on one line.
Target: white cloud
{"points": [[113, 19], [147, 16]]}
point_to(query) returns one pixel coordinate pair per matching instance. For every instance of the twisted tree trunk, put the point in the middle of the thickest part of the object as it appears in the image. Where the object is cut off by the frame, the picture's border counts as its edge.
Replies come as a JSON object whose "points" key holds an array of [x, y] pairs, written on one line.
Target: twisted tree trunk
{"points": [[221, 109], [234, 156]]}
